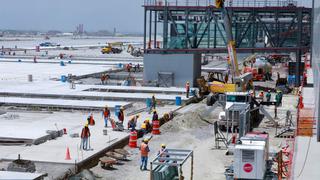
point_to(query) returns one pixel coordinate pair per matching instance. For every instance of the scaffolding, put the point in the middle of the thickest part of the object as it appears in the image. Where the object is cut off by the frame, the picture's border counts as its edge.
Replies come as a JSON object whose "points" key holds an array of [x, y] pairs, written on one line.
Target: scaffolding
{"points": [[170, 163]]}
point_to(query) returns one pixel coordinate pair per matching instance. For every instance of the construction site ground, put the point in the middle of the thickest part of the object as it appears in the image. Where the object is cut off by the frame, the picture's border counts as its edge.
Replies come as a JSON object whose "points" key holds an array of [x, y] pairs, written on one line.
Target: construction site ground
{"points": [[192, 129]]}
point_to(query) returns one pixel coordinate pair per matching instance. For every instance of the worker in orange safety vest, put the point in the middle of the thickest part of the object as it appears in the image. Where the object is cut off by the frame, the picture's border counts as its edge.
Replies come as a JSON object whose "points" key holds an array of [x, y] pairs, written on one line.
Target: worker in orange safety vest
{"points": [[144, 151]]}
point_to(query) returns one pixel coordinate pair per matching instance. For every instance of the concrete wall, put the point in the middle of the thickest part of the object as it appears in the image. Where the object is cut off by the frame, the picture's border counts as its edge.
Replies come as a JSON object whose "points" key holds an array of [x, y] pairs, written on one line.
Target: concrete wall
{"points": [[186, 67]]}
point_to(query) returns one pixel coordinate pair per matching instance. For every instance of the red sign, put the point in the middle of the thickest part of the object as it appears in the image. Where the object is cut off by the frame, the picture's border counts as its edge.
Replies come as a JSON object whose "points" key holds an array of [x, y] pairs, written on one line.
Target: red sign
{"points": [[247, 168]]}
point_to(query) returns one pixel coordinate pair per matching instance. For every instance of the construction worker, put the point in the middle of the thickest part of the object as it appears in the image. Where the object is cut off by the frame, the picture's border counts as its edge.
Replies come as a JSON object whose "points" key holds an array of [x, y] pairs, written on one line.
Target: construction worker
{"points": [[162, 152], [144, 151], [187, 89], [85, 135], [280, 97], [155, 115], [121, 115], [106, 116], [90, 119], [261, 95], [144, 128], [153, 102], [268, 96], [103, 79], [133, 122], [277, 99]]}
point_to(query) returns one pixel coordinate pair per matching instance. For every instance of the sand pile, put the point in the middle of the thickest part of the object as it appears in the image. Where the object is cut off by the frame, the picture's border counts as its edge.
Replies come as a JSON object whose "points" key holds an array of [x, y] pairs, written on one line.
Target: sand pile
{"points": [[199, 116], [182, 122]]}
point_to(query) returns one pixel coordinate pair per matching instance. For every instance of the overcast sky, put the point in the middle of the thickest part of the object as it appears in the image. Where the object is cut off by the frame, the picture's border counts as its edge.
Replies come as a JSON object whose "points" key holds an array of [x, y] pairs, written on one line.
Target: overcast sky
{"points": [[125, 15], [65, 15]]}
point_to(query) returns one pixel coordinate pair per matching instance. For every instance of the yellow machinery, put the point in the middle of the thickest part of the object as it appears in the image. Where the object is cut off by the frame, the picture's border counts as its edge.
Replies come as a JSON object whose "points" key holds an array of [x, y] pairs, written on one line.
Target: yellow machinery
{"points": [[111, 49]]}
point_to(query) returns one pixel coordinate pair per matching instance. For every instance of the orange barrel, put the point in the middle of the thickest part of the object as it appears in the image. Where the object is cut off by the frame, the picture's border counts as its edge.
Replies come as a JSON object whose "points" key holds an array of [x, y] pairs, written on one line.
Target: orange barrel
{"points": [[155, 127], [133, 139]]}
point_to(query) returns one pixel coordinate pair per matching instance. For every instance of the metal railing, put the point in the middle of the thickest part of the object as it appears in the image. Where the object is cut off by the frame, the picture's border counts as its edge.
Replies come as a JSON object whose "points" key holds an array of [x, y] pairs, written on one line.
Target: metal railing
{"points": [[229, 3], [178, 2]]}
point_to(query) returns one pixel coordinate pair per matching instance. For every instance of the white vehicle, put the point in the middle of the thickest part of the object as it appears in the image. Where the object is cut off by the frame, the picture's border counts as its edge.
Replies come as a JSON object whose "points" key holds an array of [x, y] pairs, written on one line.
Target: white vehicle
{"points": [[235, 103]]}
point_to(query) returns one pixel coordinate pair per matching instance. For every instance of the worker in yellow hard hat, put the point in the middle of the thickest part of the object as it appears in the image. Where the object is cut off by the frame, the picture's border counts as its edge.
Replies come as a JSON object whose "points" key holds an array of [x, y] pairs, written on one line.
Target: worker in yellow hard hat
{"points": [[163, 153], [144, 151], [133, 122], [85, 135]]}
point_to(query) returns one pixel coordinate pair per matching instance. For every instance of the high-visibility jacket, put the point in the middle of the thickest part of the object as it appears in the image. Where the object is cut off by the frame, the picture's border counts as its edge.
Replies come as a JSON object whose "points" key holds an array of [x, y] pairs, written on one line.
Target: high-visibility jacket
{"points": [[144, 150], [85, 132], [106, 113]]}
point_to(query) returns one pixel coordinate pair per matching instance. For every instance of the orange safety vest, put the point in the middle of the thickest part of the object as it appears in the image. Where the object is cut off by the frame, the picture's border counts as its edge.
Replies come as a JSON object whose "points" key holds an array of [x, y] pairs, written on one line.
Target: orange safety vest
{"points": [[143, 150], [106, 113], [91, 121]]}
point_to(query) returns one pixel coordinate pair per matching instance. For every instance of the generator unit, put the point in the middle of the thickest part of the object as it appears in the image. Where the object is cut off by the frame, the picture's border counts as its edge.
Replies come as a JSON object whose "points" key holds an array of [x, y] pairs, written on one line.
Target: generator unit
{"points": [[250, 156]]}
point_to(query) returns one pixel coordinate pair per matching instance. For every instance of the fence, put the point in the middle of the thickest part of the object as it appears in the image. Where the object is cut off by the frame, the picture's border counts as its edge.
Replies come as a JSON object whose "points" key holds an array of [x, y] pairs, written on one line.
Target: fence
{"points": [[229, 3]]}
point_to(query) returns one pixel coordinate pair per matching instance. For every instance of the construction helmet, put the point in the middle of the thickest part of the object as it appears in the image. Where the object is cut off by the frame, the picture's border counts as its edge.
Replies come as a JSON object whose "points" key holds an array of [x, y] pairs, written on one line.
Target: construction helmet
{"points": [[145, 140], [187, 82], [106, 106], [86, 125], [163, 145], [138, 115], [154, 111]]}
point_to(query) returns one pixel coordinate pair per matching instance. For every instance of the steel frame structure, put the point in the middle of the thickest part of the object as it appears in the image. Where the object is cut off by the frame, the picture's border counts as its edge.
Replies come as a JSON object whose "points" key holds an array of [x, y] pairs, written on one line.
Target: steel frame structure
{"points": [[199, 28]]}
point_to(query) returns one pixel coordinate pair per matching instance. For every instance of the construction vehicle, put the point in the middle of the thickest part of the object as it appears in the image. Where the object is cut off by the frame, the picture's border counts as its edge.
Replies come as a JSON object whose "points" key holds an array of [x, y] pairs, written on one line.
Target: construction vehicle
{"points": [[260, 68], [134, 52], [110, 49]]}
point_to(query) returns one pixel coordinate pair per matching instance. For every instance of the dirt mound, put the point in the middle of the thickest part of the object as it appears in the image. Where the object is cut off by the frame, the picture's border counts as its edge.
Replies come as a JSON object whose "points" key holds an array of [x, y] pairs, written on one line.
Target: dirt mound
{"points": [[185, 121]]}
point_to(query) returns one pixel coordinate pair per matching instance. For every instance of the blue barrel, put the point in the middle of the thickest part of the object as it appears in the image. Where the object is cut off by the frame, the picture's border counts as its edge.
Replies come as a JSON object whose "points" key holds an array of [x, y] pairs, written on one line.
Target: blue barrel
{"points": [[120, 65], [61, 63], [148, 102], [63, 78], [69, 61], [117, 110], [178, 101]]}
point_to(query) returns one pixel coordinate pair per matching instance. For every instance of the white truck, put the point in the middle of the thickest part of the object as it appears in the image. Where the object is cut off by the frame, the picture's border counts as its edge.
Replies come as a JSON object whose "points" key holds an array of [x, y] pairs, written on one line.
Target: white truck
{"points": [[237, 107]]}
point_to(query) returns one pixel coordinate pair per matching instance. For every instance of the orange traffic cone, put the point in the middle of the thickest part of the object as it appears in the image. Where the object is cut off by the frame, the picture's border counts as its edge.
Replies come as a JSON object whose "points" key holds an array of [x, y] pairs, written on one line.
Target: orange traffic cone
{"points": [[68, 157]]}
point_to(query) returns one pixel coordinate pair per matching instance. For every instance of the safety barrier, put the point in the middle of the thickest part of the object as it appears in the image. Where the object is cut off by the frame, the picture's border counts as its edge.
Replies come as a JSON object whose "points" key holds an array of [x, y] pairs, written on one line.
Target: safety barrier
{"points": [[155, 127], [133, 139]]}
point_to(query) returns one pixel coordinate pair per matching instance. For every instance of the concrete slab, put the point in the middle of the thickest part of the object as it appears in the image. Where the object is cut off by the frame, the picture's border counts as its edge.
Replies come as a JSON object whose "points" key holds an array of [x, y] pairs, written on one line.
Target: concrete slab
{"points": [[19, 175], [14, 71], [62, 103], [59, 89], [35, 124]]}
